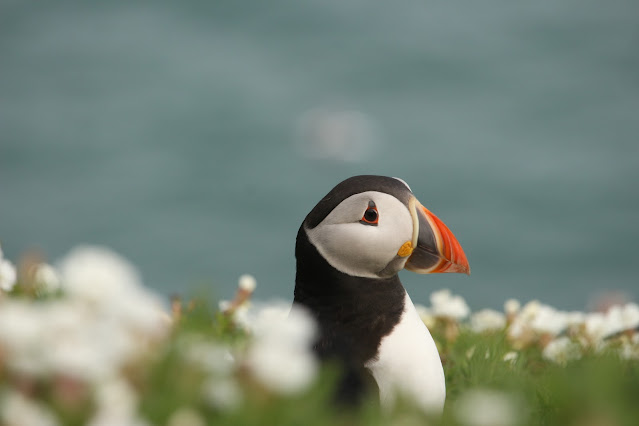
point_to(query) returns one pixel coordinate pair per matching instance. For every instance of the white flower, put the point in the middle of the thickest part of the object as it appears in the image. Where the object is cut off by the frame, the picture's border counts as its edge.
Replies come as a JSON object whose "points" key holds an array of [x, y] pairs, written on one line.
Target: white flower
{"points": [[105, 320], [487, 320], [212, 357], [482, 407], [116, 395], [59, 336], [98, 275], [547, 320], [574, 318], [7, 274], [223, 394], [596, 327], [529, 311], [224, 305], [186, 417], [449, 306], [621, 318], [143, 313], [21, 336], [111, 285], [47, 278], [562, 350], [91, 352], [16, 410], [618, 318], [280, 355], [535, 318], [258, 315], [282, 369], [630, 316], [247, 283], [511, 307], [517, 330], [116, 404]]}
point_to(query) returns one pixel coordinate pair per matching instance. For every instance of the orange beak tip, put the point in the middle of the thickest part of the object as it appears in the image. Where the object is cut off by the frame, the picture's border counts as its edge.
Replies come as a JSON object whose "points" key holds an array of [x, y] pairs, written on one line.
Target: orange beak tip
{"points": [[453, 256]]}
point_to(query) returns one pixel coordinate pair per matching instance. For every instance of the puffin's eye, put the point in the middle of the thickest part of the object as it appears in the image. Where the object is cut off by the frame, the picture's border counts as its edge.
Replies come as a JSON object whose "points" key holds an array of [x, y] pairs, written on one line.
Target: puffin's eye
{"points": [[371, 216]]}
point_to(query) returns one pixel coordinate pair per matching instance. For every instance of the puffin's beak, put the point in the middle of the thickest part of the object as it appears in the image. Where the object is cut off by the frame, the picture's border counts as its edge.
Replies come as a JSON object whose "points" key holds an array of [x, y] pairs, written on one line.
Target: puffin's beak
{"points": [[435, 247]]}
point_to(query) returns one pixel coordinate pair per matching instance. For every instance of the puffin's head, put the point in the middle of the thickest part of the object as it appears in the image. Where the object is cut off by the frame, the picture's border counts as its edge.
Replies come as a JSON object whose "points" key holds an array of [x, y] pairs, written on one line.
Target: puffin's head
{"points": [[373, 226]]}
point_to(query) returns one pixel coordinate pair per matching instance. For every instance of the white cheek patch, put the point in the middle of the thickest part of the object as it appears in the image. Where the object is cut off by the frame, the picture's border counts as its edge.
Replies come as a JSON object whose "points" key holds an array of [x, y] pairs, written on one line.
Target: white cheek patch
{"points": [[358, 249]]}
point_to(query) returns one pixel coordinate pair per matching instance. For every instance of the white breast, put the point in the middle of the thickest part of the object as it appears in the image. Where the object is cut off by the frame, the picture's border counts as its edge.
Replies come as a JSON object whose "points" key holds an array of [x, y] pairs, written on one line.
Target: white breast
{"points": [[408, 364]]}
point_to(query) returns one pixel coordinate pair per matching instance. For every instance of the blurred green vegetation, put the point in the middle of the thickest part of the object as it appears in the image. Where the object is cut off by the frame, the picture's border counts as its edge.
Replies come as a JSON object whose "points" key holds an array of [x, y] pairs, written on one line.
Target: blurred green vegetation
{"points": [[598, 389]]}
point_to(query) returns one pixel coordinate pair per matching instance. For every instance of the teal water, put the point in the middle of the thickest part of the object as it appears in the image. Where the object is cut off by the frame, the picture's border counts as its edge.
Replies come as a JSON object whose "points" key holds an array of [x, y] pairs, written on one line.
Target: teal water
{"points": [[193, 138]]}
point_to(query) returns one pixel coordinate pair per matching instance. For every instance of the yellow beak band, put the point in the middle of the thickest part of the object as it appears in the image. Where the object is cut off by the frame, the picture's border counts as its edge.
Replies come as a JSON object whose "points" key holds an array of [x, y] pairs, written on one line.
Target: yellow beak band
{"points": [[406, 249]]}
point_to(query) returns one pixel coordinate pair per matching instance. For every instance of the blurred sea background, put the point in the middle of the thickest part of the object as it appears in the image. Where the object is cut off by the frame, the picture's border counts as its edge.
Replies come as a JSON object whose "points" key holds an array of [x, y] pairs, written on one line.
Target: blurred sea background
{"points": [[193, 137]]}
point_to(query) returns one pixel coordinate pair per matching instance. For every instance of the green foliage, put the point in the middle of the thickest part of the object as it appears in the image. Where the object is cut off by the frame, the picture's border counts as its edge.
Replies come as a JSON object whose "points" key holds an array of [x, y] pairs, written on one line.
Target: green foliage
{"points": [[597, 389], [600, 388]]}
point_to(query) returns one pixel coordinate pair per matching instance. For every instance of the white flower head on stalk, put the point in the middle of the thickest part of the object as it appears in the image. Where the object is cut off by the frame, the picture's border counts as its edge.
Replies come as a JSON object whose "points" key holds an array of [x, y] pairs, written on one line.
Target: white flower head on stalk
{"points": [[483, 407], [444, 304], [574, 319], [93, 350], [8, 274], [622, 318], [47, 278], [562, 350], [521, 329], [487, 320], [247, 283], [511, 307], [98, 274], [222, 394], [107, 282], [115, 395], [529, 310], [630, 316], [21, 336], [239, 305], [116, 404], [17, 410], [280, 355], [61, 337], [548, 320], [598, 325], [214, 358], [595, 327], [256, 315]]}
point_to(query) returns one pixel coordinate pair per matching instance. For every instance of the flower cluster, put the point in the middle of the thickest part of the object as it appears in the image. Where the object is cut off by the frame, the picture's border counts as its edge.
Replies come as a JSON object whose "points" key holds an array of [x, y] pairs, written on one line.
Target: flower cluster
{"points": [[85, 342], [279, 355], [79, 334], [96, 321], [7, 274], [562, 336]]}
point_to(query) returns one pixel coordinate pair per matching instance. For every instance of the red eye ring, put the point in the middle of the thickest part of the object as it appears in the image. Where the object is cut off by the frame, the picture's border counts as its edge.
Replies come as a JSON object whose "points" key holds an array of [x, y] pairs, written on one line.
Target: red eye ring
{"points": [[371, 216]]}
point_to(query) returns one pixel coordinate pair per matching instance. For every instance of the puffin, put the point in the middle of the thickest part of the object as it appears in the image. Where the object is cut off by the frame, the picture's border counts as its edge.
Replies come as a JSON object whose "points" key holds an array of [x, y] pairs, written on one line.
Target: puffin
{"points": [[349, 250]]}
